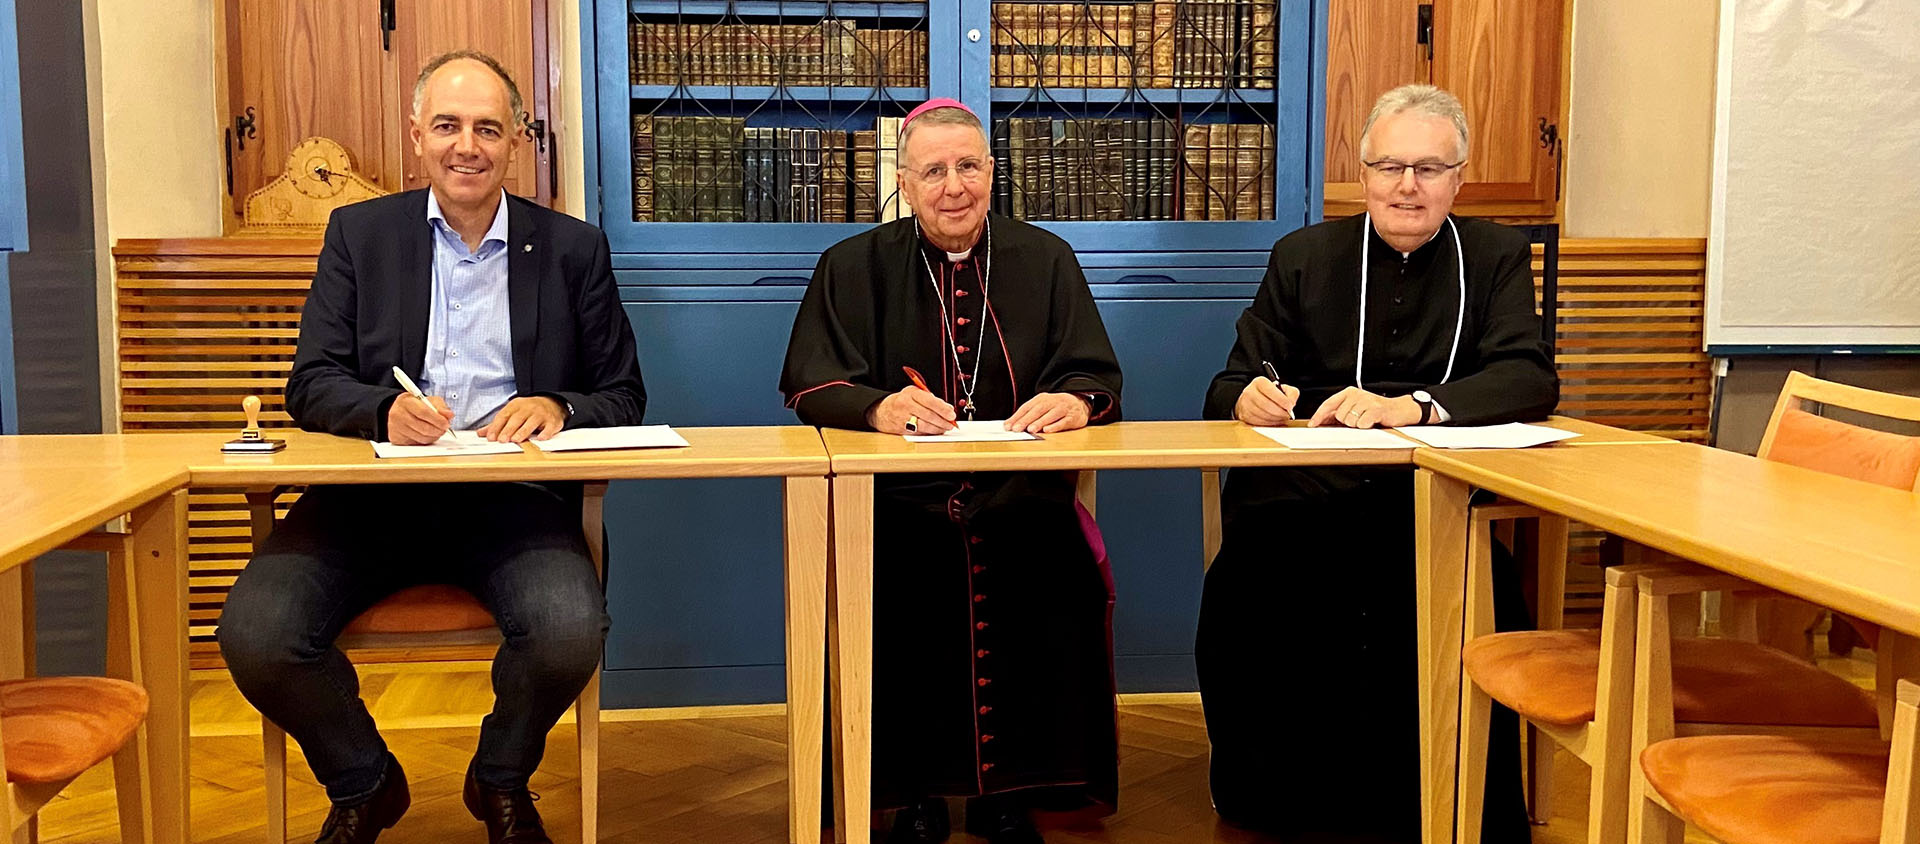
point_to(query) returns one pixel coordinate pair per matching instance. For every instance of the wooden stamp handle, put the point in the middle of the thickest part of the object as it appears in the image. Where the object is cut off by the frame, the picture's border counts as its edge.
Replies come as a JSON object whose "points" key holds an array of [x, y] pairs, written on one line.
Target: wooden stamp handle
{"points": [[251, 405]]}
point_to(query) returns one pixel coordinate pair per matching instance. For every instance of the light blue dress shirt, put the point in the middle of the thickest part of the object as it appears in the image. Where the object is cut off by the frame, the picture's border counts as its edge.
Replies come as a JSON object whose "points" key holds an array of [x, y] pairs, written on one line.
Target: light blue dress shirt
{"points": [[469, 329]]}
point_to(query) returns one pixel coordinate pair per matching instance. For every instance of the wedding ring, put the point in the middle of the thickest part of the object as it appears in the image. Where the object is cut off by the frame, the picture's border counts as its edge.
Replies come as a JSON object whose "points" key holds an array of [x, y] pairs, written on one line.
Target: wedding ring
{"points": [[913, 424]]}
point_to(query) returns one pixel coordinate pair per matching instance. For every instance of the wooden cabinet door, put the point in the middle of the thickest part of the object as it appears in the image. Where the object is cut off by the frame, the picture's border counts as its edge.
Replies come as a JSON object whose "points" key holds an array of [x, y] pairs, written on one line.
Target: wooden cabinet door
{"points": [[1372, 48], [305, 68], [502, 29], [1502, 58]]}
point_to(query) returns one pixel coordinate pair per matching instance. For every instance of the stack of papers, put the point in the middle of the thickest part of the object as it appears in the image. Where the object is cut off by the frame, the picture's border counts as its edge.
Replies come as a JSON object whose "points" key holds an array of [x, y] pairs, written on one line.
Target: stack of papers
{"points": [[1510, 435], [450, 444], [628, 436], [974, 432], [1334, 437]]}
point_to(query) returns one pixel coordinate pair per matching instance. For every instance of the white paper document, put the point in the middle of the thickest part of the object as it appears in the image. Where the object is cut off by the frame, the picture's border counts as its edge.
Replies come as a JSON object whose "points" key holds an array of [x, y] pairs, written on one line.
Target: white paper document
{"points": [[1333, 437], [626, 436], [994, 431], [1510, 435], [450, 444]]}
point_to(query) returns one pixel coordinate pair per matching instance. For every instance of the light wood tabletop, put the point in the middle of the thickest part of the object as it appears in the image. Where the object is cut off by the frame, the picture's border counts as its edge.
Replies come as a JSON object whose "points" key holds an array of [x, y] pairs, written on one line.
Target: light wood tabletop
{"points": [[311, 458], [51, 502], [1138, 445], [1840, 543]]}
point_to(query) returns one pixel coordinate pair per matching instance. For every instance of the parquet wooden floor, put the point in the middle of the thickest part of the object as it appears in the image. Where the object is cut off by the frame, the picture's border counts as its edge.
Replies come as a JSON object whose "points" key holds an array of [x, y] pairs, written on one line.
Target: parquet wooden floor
{"points": [[667, 777]]}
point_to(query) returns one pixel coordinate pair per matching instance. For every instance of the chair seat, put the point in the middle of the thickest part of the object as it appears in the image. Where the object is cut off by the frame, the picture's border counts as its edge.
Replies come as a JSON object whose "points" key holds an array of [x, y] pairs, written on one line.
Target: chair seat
{"points": [[1550, 677], [1773, 789], [57, 727], [433, 608]]}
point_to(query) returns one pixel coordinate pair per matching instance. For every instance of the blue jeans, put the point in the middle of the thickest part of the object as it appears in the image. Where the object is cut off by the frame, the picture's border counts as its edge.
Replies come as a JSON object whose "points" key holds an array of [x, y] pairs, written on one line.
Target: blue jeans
{"points": [[516, 547]]}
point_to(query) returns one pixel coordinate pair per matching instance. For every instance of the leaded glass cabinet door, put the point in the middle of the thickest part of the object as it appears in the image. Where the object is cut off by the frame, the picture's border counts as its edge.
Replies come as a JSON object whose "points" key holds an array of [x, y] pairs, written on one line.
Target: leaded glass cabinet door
{"points": [[763, 113]]}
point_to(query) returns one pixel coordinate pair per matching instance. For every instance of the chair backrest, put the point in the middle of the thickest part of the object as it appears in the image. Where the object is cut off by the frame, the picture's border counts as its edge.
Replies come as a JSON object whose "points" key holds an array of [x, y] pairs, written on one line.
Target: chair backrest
{"points": [[1798, 437]]}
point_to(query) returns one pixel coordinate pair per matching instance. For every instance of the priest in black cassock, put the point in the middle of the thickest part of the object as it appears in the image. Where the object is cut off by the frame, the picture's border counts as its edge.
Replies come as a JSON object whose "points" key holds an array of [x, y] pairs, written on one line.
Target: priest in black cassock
{"points": [[993, 666], [1404, 315]]}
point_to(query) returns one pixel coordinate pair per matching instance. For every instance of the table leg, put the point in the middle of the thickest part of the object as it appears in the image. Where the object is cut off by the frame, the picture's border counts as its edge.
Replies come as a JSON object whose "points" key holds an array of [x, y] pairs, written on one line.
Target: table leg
{"points": [[806, 538], [1896, 658], [1440, 536], [159, 543], [852, 653]]}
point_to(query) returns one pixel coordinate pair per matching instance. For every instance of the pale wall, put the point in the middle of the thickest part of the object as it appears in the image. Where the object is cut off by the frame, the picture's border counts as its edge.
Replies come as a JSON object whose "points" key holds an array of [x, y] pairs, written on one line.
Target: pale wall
{"points": [[1640, 140], [159, 130]]}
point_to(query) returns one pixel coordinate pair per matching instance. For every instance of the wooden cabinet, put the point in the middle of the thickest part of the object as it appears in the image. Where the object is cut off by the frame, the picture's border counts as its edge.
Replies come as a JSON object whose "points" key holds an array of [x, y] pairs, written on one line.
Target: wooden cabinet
{"points": [[345, 69], [1504, 59]]}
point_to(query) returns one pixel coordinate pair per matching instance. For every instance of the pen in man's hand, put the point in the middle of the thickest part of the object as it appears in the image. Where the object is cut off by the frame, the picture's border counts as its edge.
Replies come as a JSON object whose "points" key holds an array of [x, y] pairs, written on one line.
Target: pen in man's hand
{"points": [[914, 376], [1272, 374], [412, 388]]}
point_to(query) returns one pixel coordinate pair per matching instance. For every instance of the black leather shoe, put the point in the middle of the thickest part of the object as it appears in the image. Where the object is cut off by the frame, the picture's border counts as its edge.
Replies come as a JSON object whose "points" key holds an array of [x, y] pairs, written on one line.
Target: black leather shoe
{"points": [[362, 823], [508, 813], [1001, 824], [924, 822]]}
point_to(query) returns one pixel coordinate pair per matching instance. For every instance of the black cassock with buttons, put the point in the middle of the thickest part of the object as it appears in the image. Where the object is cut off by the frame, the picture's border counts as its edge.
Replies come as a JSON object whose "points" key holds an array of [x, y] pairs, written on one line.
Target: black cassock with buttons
{"points": [[993, 665], [1306, 649]]}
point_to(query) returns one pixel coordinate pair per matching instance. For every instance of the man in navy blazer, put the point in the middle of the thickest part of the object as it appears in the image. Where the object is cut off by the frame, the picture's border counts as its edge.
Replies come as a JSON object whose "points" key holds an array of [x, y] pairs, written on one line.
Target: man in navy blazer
{"points": [[506, 315]]}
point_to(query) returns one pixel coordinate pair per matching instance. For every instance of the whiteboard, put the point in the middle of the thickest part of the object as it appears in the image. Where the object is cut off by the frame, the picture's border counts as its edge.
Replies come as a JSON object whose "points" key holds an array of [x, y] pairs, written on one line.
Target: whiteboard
{"points": [[1815, 236]]}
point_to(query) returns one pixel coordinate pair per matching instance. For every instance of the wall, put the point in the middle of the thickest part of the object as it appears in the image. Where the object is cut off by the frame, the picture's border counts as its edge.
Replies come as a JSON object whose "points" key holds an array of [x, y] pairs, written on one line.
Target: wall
{"points": [[1640, 123], [159, 128]]}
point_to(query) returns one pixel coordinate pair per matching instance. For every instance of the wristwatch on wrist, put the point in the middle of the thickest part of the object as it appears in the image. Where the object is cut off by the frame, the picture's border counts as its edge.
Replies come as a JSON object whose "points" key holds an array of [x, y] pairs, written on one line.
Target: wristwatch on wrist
{"points": [[1424, 401]]}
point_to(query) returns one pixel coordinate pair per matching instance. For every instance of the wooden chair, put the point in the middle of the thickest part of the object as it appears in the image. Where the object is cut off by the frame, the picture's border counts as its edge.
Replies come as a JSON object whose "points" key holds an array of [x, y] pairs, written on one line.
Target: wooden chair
{"points": [[1798, 437], [446, 619], [1782, 790], [53, 729]]}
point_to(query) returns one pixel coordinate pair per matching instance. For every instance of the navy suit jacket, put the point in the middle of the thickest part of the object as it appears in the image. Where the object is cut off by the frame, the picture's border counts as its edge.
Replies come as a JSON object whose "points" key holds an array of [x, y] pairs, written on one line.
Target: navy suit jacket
{"points": [[367, 313]]}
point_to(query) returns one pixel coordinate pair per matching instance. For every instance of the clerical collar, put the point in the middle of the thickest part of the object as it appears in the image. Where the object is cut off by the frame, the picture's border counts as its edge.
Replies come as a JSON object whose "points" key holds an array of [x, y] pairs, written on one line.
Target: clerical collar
{"points": [[952, 257], [1373, 234]]}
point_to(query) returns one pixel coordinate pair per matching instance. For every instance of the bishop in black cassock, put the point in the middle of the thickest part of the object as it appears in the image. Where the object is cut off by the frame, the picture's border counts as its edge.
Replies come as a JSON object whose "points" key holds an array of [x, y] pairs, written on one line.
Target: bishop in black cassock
{"points": [[993, 669], [1306, 647]]}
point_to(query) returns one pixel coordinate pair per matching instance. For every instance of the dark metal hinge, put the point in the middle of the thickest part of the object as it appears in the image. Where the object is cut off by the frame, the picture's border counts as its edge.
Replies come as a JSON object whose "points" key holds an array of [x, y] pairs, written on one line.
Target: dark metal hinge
{"points": [[244, 127], [1550, 137], [386, 25], [1423, 33]]}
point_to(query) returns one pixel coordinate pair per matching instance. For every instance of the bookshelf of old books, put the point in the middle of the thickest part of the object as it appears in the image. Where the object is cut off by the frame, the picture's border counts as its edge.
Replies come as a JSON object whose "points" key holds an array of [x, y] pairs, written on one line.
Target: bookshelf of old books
{"points": [[1169, 141]]}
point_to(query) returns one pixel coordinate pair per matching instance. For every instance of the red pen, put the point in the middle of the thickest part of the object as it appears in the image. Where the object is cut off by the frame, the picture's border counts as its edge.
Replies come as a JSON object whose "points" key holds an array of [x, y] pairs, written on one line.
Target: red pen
{"points": [[914, 376]]}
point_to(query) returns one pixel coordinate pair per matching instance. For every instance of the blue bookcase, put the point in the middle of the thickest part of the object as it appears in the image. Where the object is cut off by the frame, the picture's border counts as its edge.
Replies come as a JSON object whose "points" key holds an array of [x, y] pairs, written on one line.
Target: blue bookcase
{"points": [[13, 204], [694, 585]]}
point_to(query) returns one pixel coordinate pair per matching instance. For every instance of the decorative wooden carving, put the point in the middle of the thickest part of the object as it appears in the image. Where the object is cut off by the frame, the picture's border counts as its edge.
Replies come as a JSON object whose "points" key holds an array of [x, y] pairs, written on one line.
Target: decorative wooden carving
{"points": [[318, 178]]}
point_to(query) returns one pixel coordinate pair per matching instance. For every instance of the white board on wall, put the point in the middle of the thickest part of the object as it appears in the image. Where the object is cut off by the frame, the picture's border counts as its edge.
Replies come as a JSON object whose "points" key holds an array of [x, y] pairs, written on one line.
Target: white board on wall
{"points": [[1815, 237]]}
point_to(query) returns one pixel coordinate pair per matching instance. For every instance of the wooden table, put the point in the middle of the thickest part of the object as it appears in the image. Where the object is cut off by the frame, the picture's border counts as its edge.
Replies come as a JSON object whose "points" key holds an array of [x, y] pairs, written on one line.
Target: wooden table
{"points": [[857, 456], [1847, 545], [76, 483], [60, 488]]}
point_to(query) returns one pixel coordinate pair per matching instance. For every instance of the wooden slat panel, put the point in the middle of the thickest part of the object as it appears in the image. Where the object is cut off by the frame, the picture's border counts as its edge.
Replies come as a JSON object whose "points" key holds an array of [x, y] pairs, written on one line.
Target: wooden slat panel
{"points": [[1628, 338], [203, 324]]}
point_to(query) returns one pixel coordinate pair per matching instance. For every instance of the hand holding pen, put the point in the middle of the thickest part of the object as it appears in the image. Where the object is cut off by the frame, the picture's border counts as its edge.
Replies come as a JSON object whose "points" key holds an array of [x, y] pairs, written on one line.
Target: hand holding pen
{"points": [[1265, 401], [415, 419], [914, 410]]}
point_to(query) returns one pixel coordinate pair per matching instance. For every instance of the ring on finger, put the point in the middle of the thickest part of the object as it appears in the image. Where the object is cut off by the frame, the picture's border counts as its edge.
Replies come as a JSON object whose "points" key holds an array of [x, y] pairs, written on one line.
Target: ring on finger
{"points": [[913, 424]]}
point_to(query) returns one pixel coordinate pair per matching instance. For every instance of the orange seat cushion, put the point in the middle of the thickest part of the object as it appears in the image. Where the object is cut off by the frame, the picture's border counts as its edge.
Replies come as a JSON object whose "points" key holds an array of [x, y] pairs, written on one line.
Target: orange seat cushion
{"points": [[57, 727], [1550, 676], [1850, 451], [1772, 789], [434, 608]]}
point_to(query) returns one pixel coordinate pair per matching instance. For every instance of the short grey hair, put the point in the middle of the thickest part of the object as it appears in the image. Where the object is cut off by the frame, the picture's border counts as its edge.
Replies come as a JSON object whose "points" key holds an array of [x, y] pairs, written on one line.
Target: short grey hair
{"points": [[493, 64], [1425, 100], [948, 116]]}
